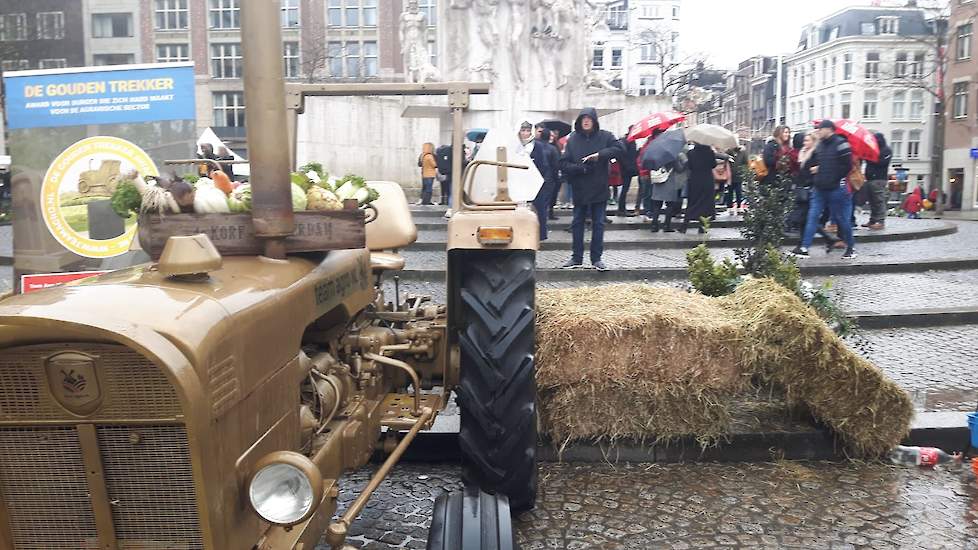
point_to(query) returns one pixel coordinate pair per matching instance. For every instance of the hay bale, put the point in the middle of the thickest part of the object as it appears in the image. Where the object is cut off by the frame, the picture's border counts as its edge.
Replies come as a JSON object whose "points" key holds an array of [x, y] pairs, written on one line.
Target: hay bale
{"points": [[657, 363], [789, 345]]}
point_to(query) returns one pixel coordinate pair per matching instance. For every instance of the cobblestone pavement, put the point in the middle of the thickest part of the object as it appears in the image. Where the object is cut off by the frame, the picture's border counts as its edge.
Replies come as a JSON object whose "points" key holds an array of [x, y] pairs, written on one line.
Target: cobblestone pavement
{"points": [[677, 506], [935, 364]]}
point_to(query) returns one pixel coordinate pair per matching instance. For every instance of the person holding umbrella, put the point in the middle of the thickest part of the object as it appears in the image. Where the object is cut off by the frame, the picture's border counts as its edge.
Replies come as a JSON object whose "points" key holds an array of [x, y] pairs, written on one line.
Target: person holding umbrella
{"points": [[665, 158], [700, 198], [830, 164], [585, 160]]}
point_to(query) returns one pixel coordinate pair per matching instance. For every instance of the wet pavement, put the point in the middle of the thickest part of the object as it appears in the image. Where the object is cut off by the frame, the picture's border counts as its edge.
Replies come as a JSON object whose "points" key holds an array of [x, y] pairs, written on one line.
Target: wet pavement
{"points": [[808, 505]]}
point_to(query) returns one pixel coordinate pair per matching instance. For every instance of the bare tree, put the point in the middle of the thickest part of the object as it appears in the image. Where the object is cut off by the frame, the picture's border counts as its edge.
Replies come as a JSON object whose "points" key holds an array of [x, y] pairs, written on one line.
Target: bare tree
{"points": [[658, 47]]}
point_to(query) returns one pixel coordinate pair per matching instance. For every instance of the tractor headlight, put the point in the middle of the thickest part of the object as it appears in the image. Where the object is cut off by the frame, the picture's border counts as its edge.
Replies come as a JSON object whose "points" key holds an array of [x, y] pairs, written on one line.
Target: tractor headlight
{"points": [[286, 488]]}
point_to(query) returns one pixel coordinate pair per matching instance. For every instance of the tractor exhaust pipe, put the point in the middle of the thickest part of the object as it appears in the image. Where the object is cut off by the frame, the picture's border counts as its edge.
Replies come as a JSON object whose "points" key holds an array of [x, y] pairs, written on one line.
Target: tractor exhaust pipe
{"points": [[268, 150]]}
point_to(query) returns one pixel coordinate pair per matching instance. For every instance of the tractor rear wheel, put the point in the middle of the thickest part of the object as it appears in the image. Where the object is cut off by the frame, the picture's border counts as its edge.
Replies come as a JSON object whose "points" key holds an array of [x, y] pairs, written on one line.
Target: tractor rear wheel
{"points": [[471, 520], [497, 389]]}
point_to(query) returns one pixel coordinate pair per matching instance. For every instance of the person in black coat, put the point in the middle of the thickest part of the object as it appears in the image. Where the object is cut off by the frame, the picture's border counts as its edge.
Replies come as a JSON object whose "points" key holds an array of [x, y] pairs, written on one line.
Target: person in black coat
{"points": [[629, 170], [877, 180], [830, 164], [546, 158], [584, 163], [699, 188]]}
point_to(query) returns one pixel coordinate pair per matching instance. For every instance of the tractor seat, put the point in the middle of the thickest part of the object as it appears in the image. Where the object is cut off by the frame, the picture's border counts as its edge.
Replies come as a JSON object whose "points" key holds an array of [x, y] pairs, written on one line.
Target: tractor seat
{"points": [[385, 261]]}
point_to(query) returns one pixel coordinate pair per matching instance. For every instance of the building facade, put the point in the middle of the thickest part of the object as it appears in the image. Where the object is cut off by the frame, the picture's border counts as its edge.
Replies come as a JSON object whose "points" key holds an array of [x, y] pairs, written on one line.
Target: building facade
{"points": [[637, 48], [41, 34], [875, 66], [961, 113]]}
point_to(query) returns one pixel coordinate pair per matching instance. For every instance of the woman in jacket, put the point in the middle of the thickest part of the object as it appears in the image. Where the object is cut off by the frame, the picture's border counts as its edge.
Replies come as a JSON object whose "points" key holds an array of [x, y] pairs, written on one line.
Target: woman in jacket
{"points": [[700, 199], [429, 169], [779, 156]]}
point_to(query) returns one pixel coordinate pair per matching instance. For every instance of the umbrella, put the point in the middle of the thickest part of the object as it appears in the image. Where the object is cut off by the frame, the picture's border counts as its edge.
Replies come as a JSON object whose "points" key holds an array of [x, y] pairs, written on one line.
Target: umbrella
{"points": [[713, 135], [476, 134], [664, 149], [560, 127], [653, 122], [862, 141]]}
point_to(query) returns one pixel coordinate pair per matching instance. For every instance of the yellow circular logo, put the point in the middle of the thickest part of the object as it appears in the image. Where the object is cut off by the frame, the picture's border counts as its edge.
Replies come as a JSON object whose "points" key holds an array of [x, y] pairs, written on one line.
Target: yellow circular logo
{"points": [[77, 190]]}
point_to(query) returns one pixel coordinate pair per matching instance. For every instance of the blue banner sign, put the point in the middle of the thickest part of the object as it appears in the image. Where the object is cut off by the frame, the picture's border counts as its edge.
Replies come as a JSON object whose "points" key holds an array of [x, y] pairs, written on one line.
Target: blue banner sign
{"points": [[73, 97]]}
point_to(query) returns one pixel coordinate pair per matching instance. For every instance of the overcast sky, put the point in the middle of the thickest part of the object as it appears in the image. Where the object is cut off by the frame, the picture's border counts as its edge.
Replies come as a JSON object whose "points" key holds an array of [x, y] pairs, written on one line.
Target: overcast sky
{"points": [[730, 32]]}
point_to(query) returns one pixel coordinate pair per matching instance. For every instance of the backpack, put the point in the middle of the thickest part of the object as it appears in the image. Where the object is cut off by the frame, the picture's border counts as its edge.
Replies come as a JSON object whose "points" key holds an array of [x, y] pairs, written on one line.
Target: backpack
{"points": [[420, 157], [758, 166], [443, 158]]}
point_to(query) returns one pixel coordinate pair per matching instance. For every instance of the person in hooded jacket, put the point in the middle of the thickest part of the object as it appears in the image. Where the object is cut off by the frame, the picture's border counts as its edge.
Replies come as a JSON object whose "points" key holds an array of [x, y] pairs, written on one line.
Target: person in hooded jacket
{"points": [[877, 181], [584, 163], [429, 169], [546, 158]]}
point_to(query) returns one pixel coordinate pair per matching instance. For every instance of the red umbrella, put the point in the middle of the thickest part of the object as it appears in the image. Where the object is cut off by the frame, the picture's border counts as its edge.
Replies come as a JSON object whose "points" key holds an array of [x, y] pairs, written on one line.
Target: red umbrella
{"points": [[862, 141], [653, 122]]}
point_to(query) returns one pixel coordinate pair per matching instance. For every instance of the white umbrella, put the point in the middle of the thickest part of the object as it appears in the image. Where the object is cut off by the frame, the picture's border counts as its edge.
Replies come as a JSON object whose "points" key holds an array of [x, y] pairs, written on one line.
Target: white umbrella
{"points": [[711, 134]]}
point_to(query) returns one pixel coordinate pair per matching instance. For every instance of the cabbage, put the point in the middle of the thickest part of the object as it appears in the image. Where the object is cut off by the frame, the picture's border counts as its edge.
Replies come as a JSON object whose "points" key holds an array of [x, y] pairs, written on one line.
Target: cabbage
{"points": [[209, 199], [298, 198], [237, 206], [243, 193]]}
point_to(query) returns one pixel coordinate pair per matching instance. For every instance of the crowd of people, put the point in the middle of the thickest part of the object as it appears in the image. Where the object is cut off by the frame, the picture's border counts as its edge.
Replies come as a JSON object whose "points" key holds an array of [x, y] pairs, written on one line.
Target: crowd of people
{"points": [[592, 169]]}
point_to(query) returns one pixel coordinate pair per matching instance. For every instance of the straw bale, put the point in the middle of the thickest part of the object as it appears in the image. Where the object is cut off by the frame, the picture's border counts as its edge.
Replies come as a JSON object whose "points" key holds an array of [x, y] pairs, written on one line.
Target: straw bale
{"points": [[657, 363], [789, 345]]}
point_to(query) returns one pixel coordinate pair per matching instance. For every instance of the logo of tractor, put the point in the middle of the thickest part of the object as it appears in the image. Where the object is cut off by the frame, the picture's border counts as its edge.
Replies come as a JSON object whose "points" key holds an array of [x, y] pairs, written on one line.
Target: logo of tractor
{"points": [[72, 382], [100, 181]]}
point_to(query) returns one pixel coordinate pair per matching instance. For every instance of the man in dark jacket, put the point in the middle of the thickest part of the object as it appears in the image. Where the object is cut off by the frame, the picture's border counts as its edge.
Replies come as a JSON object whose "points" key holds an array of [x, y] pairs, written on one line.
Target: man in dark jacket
{"points": [[876, 179], [585, 165], [546, 158], [830, 163], [629, 169]]}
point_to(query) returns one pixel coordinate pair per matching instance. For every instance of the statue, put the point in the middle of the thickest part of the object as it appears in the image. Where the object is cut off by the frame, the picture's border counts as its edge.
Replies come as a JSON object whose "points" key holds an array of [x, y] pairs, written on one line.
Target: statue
{"points": [[517, 42], [489, 35], [414, 46]]}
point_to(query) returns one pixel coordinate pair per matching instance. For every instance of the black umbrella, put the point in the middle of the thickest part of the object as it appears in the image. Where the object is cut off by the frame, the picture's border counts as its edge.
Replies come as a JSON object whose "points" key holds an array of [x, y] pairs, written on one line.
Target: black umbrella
{"points": [[664, 149], [476, 134], [560, 127]]}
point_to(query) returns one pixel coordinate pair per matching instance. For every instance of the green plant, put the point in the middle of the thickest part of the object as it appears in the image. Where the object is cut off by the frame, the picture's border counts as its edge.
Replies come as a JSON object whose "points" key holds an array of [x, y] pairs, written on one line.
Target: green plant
{"points": [[783, 269], [190, 178], [763, 226], [828, 308], [707, 276], [126, 199]]}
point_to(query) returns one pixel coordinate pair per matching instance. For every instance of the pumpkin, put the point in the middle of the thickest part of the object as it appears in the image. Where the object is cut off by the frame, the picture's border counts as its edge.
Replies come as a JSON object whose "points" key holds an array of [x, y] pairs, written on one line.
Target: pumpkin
{"points": [[222, 181]]}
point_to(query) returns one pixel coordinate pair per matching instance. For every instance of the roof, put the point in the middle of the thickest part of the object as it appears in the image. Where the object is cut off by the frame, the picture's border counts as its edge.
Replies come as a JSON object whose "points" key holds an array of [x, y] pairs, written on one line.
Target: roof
{"points": [[849, 21]]}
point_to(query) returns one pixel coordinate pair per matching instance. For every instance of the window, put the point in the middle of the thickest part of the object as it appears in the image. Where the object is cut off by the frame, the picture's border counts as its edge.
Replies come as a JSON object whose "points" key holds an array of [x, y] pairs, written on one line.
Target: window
{"points": [[369, 13], [335, 13], [867, 29], [896, 143], [830, 112], [229, 109], [59, 63], [845, 102], [13, 27], [821, 106], [832, 73], [369, 59], [794, 81], [675, 12], [811, 73], [888, 25], [811, 108], [598, 61], [433, 53], [900, 66], [647, 53], [113, 59], [617, 18], [917, 67], [171, 15], [15, 64], [334, 52], [650, 12], [616, 57], [899, 105], [225, 14], [872, 66], [834, 33], [870, 104], [916, 105], [290, 55], [50, 25], [913, 144], [960, 100], [353, 61], [111, 25], [226, 60], [646, 85], [351, 13], [290, 13], [825, 72], [430, 10], [963, 45], [172, 53], [847, 66]]}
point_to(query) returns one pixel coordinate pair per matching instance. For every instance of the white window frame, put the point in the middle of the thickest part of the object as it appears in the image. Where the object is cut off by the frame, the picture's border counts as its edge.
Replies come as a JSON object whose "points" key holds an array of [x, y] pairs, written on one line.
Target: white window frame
{"points": [[235, 107], [916, 104], [51, 25], [647, 85], [962, 53], [871, 108], [370, 51], [334, 56], [368, 17], [290, 8], [430, 10], [15, 64], [916, 67], [872, 67], [888, 25], [290, 58], [898, 109], [166, 11], [959, 99], [172, 53], [901, 63], [53, 63], [226, 60], [13, 28], [96, 26], [224, 14], [845, 104], [620, 60], [334, 13], [597, 58], [847, 67], [914, 145], [353, 59], [896, 143]]}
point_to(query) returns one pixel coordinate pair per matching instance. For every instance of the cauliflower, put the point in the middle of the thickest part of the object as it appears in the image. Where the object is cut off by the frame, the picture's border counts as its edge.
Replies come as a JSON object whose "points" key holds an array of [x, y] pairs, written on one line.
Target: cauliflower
{"points": [[323, 199]]}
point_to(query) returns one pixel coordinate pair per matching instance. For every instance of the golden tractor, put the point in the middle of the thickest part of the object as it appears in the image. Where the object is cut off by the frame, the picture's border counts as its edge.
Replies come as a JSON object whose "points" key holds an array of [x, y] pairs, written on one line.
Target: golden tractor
{"points": [[203, 401], [101, 181]]}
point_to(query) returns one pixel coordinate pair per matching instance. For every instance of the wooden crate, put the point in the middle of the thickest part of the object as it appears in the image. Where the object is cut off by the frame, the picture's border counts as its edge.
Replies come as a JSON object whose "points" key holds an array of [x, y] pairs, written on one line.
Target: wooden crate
{"points": [[234, 234]]}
